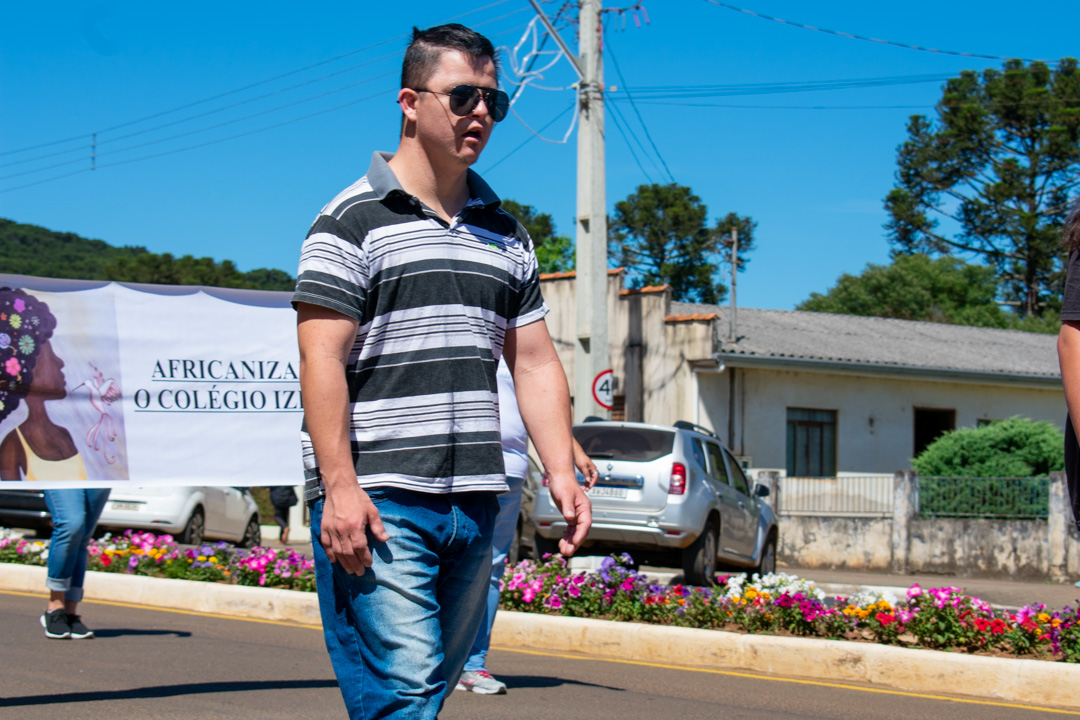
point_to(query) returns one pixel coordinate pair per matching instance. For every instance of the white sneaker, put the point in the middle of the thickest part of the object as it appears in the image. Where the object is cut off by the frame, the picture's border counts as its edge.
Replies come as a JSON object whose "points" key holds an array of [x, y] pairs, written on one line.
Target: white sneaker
{"points": [[480, 682]]}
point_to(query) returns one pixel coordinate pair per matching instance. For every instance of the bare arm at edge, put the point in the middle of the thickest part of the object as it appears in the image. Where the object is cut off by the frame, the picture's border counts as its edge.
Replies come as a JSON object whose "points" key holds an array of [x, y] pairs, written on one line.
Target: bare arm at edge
{"points": [[544, 401], [1068, 346], [326, 338]]}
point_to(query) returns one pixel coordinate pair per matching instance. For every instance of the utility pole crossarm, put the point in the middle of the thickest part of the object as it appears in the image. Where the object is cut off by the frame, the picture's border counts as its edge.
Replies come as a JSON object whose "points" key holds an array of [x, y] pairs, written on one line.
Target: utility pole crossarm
{"points": [[562, 45]]}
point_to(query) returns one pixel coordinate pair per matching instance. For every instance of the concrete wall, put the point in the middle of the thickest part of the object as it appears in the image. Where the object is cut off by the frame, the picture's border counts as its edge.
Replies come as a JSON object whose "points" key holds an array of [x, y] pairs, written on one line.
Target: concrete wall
{"points": [[906, 543], [849, 543]]}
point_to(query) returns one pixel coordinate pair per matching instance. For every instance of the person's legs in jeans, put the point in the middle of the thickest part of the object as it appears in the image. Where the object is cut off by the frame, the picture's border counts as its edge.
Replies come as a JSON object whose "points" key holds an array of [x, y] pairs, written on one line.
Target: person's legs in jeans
{"points": [[398, 635], [75, 514], [505, 527]]}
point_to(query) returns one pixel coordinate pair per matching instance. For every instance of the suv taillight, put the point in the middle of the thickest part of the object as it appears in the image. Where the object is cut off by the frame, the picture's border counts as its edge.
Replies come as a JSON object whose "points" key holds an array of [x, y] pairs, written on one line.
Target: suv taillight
{"points": [[678, 479]]}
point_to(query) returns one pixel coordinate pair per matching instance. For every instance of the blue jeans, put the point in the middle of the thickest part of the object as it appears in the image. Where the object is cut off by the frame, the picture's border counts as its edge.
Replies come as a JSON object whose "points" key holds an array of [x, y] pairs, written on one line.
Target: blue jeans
{"points": [[505, 526], [398, 635], [74, 515]]}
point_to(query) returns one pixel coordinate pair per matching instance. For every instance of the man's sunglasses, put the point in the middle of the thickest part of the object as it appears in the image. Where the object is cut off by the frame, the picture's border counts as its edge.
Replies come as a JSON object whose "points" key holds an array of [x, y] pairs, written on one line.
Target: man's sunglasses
{"points": [[464, 99]]}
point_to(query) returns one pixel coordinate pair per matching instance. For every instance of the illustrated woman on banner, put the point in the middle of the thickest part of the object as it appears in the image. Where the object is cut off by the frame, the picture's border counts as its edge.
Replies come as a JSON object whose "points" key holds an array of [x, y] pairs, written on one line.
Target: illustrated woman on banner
{"points": [[31, 373]]}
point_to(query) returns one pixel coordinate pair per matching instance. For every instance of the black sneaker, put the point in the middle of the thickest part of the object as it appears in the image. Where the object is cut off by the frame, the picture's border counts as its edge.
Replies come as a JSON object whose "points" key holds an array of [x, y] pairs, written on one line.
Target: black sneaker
{"points": [[56, 625], [78, 630]]}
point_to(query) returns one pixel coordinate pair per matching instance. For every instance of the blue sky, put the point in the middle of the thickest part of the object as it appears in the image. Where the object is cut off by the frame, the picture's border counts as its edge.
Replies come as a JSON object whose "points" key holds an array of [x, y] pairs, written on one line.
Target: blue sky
{"points": [[813, 178]]}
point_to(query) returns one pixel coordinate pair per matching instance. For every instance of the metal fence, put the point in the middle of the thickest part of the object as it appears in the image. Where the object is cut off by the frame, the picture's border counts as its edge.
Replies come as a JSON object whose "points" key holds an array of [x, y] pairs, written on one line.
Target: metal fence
{"points": [[854, 496], [1012, 498], [1018, 498]]}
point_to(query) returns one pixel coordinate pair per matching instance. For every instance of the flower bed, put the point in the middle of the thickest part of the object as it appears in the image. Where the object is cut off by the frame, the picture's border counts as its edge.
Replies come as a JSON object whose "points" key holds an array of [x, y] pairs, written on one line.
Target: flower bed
{"points": [[144, 553], [938, 618]]}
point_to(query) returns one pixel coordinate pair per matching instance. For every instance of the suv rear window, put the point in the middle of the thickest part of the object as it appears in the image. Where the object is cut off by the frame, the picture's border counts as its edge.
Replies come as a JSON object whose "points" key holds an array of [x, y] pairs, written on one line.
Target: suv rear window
{"points": [[634, 444]]}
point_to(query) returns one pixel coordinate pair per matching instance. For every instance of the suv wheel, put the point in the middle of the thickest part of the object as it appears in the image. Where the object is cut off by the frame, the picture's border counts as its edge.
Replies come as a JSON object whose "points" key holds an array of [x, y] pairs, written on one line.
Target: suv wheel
{"points": [[768, 557], [699, 560]]}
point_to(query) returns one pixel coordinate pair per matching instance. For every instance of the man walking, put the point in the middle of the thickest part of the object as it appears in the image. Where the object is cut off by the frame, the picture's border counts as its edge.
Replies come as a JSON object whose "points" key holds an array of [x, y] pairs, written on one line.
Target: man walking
{"points": [[412, 284]]}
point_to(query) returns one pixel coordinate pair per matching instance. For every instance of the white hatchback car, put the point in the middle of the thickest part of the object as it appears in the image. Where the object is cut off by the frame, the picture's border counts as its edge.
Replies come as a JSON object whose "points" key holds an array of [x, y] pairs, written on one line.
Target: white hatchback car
{"points": [[190, 514]]}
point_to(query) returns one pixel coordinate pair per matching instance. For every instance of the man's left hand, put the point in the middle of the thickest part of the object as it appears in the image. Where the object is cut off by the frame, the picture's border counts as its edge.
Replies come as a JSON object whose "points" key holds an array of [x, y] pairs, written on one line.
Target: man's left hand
{"points": [[574, 504]]}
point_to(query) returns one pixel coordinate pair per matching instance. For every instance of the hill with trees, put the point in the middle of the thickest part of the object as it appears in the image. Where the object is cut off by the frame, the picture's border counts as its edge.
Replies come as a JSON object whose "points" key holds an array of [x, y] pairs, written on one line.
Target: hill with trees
{"points": [[34, 250]]}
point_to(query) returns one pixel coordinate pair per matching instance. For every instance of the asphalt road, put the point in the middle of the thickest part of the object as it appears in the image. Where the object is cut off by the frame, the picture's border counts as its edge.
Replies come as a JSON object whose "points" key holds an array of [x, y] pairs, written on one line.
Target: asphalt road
{"points": [[149, 663]]}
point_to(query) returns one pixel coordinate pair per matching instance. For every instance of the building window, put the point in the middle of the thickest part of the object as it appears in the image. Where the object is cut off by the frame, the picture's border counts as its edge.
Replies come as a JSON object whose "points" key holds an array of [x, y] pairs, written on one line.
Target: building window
{"points": [[930, 424], [811, 442]]}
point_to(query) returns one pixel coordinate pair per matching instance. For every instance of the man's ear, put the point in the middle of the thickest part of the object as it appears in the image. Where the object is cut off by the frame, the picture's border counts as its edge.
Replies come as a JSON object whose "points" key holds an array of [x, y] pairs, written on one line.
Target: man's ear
{"points": [[407, 99]]}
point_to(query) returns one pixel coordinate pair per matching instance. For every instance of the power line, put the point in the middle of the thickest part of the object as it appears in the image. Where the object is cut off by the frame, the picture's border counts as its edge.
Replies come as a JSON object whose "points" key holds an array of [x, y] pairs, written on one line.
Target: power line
{"points": [[660, 92], [95, 155], [618, 120], [530, 138], [266, 81], [852, 36], [641, 120], [781, 107], [198, 130], [252, 116]]}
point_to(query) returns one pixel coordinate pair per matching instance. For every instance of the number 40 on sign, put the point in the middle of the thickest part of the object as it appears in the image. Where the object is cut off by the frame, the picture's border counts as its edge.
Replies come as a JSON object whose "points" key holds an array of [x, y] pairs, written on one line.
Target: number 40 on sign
{"points": [[603, 390]]}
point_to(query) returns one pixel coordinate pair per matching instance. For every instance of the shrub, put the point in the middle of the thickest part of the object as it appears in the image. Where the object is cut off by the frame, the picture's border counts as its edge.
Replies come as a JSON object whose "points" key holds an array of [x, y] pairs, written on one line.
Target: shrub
{"points": [[1017, 447]]}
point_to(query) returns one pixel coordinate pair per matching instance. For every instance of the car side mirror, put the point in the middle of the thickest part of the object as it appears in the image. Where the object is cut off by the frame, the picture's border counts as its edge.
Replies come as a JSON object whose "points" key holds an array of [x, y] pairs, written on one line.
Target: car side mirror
{"points": [[762, 491]]}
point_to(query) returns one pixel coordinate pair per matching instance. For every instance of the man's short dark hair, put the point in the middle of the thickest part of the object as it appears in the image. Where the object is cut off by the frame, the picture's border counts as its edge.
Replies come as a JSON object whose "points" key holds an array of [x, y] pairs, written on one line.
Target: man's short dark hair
{"points": [[427, 46]]}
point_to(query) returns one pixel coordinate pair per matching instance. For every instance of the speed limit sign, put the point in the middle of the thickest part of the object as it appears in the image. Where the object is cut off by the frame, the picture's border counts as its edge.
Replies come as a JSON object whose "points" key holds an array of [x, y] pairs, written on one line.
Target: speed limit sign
{"points": [[602, 390]]}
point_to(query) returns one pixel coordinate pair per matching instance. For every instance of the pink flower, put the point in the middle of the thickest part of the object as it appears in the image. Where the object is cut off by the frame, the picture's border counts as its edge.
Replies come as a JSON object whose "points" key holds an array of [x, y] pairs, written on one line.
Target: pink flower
{"points": [[19, 305], [12, 366], [914, 591], [529, 595]]}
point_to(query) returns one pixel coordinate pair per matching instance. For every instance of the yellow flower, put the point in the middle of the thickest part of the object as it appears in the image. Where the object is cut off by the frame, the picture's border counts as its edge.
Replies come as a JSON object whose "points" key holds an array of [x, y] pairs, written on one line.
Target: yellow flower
{"points": [[1043, 617], [751, 593], [201, 558]]}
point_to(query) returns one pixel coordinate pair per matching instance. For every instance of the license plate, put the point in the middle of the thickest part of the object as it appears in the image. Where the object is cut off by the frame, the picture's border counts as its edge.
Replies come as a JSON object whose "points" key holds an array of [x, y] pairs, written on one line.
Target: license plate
{"points": [[611, 492], [124, 506]]}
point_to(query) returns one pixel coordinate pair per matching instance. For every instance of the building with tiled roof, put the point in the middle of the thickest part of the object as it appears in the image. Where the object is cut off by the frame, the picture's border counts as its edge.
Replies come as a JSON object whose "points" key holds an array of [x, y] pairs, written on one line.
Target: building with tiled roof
{"points": [[812, 393]]}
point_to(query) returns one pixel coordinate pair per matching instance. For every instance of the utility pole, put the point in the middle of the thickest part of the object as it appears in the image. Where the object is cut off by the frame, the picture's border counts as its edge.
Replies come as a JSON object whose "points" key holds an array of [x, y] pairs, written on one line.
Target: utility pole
{"points": [[591, 350], [591, 355], [734, 271]]}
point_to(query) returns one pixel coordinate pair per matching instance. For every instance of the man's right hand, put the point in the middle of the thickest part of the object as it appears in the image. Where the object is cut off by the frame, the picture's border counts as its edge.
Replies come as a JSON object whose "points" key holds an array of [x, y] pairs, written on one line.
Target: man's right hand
{"points": [[348, 517]]}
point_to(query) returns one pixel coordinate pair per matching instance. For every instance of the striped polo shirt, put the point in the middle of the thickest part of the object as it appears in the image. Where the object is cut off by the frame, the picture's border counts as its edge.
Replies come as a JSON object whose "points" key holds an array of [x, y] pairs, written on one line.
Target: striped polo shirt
{"points": [[433, 302]]}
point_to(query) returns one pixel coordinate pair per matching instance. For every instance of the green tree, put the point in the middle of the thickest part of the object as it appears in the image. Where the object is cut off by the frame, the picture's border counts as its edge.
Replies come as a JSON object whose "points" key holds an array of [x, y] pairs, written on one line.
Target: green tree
{"points": [[997, 167], [917, 287], [659, 234], [34, 250], [554, 253]]}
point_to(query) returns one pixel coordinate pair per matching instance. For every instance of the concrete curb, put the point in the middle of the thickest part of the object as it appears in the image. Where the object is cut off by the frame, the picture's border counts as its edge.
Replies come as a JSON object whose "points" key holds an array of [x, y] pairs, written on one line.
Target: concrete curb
{"points": [[232, 600], [925, 671]]}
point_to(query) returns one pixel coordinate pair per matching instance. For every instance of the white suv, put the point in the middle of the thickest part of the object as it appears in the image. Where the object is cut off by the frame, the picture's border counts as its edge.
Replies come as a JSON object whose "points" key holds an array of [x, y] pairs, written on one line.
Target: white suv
{"points": [[667, 488]]}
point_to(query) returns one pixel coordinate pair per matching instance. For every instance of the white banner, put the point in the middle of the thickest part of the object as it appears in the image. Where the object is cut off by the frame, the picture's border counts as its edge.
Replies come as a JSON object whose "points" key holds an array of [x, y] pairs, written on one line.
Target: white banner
{"points": [[111, 384]]}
